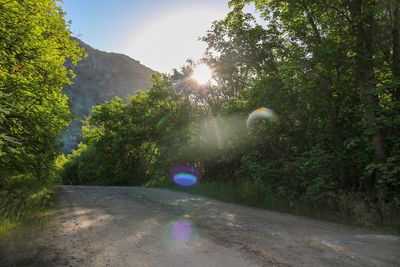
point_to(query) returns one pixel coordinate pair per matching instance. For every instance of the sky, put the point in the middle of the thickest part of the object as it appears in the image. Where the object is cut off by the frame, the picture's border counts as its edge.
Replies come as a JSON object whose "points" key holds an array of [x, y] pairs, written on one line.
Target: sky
{"points": [[161, 34]]}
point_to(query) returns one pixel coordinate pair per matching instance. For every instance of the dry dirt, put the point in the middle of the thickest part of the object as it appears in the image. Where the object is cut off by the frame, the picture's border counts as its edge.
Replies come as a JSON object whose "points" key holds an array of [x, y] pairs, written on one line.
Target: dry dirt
{"points": [[129, 226]]}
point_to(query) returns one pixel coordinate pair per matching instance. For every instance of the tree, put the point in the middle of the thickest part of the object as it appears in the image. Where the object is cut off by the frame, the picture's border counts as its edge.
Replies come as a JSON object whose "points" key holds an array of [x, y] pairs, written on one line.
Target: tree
{"points": [[327, 70], [34, 49]]}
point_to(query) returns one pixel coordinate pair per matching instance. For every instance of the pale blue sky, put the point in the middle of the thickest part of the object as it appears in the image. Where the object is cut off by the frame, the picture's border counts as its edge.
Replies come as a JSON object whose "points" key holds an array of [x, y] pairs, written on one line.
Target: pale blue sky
{"points": [[161, 34]]}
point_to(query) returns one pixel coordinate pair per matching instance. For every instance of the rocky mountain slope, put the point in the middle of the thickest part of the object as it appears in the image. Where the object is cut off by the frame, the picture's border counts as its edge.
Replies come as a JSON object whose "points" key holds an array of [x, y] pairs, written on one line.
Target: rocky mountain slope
{"points": [[100, 77]]}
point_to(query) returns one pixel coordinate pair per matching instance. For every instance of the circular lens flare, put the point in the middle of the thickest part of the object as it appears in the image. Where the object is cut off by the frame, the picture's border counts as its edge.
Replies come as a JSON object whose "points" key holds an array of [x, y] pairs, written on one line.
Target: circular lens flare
{"points": [[259, 114], [164, 121], [202, 74], [185, 179], [185, 176], [182, 231], [161, 122]]}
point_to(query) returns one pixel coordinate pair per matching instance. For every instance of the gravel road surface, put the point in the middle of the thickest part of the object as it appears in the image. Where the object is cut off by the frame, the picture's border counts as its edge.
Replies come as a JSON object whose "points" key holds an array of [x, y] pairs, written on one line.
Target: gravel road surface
{"points": [[131, 226]]}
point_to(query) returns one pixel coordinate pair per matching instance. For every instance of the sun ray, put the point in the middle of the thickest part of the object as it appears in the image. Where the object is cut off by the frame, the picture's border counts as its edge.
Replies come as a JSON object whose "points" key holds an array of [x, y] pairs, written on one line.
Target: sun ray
{"points": [[202, 74]]}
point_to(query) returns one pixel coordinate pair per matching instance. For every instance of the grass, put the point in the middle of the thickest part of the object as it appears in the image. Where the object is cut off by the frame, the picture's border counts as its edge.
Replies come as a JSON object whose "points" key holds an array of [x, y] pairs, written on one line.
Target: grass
{"points": [[25, 203], [347, 209], [6, 226]]}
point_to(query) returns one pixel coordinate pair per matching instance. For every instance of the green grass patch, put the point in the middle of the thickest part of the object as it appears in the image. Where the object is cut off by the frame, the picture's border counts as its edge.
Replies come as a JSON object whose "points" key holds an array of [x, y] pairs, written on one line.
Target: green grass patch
{"points": [[25, 202], [346, 209], [6, 226]]}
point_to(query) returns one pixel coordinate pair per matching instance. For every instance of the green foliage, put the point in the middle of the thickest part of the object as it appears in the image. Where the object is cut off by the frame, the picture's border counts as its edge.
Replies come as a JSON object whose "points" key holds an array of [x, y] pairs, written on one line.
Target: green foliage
{"points": [[35, 45], [133, 132], [35, 48], [324, 69]]}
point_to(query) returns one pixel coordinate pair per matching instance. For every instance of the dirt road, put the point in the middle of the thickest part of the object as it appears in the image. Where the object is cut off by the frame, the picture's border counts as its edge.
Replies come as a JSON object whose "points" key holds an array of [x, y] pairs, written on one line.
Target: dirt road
{"points": [[125, 226]]}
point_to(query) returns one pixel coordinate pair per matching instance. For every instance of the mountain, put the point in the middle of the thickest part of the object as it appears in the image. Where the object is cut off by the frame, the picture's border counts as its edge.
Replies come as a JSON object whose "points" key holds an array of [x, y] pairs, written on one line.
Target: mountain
{"points": [[100, 77]]}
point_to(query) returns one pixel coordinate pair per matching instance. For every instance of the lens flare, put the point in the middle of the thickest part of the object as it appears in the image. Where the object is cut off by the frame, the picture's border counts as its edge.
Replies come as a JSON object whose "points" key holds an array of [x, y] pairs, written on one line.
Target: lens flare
{"points": [[185, 179], [182, 231], [258, 114], [202, 74], [161, 122], [185, 176], [164, 121]]}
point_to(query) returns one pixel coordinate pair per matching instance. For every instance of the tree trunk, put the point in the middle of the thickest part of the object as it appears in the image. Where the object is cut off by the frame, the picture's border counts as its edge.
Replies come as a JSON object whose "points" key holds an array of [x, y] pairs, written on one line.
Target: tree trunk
{"points": [[363, 17], [396, 47]]}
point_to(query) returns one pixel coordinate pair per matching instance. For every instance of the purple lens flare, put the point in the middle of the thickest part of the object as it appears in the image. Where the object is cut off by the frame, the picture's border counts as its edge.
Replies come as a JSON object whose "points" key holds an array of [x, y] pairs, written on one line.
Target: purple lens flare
{"points": [[182, 231], [185, 176]]}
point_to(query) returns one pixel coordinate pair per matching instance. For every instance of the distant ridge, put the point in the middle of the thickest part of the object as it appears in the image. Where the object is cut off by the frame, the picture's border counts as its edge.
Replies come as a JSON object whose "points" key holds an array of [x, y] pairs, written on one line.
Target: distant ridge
{"points": [[100, 77]]}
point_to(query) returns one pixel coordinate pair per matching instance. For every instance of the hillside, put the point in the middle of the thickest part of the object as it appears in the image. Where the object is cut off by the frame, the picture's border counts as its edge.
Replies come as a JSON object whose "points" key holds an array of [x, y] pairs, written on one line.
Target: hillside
{"points": [[100, 77]]}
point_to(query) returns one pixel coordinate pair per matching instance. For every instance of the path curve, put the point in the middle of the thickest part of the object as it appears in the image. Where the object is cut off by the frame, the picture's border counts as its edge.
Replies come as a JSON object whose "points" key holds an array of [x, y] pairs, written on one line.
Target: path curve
{"points": [[133, 226]]}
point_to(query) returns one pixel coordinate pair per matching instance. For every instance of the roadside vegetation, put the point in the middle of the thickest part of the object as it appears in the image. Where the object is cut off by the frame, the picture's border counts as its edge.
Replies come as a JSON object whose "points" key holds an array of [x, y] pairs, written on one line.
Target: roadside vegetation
{"points": [[35, 45], [331, 73], [24, 202]]}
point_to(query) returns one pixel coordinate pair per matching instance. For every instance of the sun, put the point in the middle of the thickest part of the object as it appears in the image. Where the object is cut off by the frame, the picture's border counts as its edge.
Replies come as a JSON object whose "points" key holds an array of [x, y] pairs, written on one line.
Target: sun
{"points": [[202, 74]]}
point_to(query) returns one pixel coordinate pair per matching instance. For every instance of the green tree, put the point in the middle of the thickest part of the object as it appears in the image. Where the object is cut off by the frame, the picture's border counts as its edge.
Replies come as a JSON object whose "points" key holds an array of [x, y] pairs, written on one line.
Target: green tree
{"points": [[35, 48], [327, 69]]}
